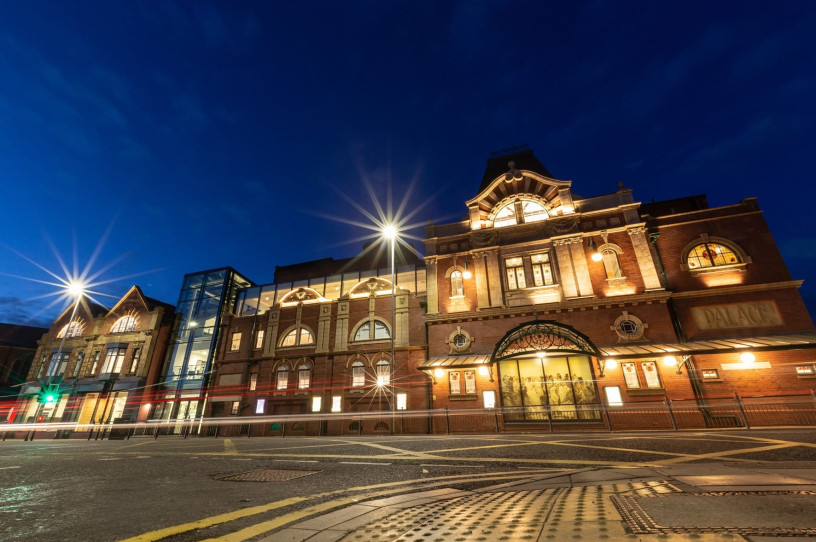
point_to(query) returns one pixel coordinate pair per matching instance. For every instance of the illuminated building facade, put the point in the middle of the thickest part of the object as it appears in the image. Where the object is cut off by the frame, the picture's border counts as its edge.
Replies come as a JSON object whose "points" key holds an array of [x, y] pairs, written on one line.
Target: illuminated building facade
{"points": [[556, 306], [97, 365], [319, 340]]}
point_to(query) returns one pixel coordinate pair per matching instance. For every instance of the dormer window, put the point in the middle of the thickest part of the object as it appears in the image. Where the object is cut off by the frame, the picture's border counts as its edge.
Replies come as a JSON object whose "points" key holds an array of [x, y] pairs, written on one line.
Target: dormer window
{"points": [[73, 329]]}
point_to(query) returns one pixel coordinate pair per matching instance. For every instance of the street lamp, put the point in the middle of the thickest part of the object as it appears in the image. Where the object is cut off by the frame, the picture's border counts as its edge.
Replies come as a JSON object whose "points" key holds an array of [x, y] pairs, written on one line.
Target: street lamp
{"points": [[390, 232]]}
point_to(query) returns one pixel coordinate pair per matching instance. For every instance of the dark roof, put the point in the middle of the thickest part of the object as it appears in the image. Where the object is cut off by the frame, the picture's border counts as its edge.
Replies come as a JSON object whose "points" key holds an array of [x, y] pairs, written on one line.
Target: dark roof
{"points": [[153, 303], [375, 257], [23, 336], [525, 159], [674, 206]]}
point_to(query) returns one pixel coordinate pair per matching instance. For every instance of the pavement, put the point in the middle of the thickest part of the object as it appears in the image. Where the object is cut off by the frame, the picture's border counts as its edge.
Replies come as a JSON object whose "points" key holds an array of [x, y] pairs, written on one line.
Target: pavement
{"points": [[753, 502]]}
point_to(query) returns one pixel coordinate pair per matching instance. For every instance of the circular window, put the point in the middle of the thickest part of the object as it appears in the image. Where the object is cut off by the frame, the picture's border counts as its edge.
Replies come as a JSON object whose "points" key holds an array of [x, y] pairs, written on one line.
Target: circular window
{"points": [[628, 327], [460, 341]]}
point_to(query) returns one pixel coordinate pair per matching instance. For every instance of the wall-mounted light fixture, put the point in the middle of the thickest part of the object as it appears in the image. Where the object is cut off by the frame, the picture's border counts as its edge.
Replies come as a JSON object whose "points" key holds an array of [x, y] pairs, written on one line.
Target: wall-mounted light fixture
{"points": [[486, 370], [604, 364], [747, 357], [671, 361], [596, 256], [467, 274]]}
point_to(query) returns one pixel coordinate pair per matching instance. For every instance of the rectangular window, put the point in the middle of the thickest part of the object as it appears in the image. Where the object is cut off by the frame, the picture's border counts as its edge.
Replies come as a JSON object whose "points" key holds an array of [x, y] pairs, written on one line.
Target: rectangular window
{"points": [[236, 341], [542, 269], [402, 401], [259, 339], [489, 398], [283, 379], [253, 381], [59, 362], [515, 273], [357, 374], [650, 374], [43, 366], [317, 403], [236, 408], [630, 375], [260, 406], [303, 378], [78, 365], [95, 364], [114, 357], [134, 362], [613, 396], [455, 388], [470, 382], [337, 403]]}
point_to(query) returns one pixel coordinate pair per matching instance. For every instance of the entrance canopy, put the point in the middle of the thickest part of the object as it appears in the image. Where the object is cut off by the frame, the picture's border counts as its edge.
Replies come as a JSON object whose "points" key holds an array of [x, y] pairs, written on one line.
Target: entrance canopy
{"points": [[543, 336], [712, 346]]}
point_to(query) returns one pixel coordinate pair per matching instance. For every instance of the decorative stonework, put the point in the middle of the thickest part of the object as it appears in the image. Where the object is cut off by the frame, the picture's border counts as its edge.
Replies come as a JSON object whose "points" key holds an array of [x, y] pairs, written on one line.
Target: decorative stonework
{"points": [[737, 315], [459, 341], [629, 328]]}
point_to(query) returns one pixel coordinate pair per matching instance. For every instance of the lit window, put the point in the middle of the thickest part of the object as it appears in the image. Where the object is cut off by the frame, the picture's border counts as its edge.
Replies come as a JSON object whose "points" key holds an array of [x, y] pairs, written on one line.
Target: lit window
{"points": [[506, 216], [259, 337], [304, 373], [711, 255], [114, 357], [95, 363], [59, 362], [337, 403], [125, 324], [611, 263], [282, 377], [78, 365], [236, 341], [613, 396], [366, 332], [235, 409], [515, 273], [383, 370], [542, 269], [317, 403], [533, 211], [72, 329], [253, 381], [300, 336], [260, 406], [134, 360], [489, 398], [457, 284], [402, 401], [358, 374]]}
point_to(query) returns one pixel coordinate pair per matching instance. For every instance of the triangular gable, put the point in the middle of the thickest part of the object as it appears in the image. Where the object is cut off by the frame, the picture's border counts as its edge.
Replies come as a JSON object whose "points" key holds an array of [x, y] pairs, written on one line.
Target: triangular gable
{"points": [[134, 293]]}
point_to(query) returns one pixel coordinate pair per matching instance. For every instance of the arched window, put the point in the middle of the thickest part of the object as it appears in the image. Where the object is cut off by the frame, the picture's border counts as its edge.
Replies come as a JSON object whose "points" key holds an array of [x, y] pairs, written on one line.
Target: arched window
{"points": [[711, 254], [506, 216], [611, 263], [125, 324], [304, 373], [532, 211], [299, 336], [383, 370], [457, 285], [366, 332], [282, 377], [358, 373], [72, 329]]}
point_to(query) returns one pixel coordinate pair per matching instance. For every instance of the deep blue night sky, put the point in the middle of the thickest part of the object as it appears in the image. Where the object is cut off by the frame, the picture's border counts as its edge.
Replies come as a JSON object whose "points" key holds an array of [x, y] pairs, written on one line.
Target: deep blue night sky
{"points": [[204, 134]]}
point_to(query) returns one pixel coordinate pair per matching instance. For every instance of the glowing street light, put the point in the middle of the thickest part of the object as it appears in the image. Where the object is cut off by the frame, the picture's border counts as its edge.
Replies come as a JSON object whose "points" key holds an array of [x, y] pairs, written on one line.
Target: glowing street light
{"points": [[391, 233]]}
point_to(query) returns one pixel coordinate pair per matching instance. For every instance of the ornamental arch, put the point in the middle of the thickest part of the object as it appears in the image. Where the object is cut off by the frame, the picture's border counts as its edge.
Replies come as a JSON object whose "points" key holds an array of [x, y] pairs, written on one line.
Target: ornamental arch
{"points": [[545, 371]]}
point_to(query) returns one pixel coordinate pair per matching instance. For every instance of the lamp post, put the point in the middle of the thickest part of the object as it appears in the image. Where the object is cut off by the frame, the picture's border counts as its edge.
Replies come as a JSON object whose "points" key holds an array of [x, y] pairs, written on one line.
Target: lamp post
{"points": [[76, 290], [390, 233]]}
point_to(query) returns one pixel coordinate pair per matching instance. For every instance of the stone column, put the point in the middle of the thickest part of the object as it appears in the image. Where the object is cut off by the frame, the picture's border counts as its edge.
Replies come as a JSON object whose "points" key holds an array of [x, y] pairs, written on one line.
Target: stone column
{"points": [[579, 264], [494, 278], [431, 280], [562, 255], [651, 280], [323, 328], [480, 273]]}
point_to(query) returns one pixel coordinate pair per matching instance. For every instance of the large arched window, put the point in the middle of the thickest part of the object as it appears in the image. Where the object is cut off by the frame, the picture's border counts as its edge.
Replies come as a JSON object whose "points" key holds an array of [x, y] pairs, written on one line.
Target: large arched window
{"points": [[125, 324], [367, 332], [506, 216], [358, 373], [532, 211], [282, 377], [711, 254], [521, 211], [611, 263], [72, 329], [298, 336], [457, 285]]}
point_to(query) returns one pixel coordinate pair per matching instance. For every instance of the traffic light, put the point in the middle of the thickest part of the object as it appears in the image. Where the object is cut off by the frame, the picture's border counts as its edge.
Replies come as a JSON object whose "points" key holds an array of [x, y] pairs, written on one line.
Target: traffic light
{"points": [[49, 394]]}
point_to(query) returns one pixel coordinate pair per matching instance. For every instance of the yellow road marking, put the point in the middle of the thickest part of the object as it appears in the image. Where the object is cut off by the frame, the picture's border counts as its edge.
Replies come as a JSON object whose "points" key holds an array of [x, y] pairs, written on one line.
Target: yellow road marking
{"points": [[245, 512], [229, 447], [728, 453]]}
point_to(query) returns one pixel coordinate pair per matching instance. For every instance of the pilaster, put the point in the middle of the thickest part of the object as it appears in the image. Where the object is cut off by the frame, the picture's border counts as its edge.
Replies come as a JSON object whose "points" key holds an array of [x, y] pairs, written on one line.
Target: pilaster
{"points": [[651, 280], [579, 264], [480, 273], [431, 285], [271, 335], [494, 278], [562, 254], [323, 328], [341, 334]]}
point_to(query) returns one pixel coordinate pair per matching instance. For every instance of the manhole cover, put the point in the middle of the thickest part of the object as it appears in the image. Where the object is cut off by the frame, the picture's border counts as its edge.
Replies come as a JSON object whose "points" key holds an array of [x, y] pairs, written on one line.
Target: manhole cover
{"points": [[771, 513], [266, 475]]}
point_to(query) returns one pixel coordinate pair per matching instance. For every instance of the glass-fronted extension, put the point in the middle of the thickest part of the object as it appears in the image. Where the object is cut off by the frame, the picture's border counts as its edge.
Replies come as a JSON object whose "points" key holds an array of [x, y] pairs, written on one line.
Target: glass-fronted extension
{"points": [[204, 298], [259, 299]]}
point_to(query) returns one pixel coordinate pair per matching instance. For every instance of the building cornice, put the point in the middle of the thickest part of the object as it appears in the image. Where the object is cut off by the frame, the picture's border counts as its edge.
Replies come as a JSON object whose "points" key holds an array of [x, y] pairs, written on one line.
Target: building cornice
{"points": [[749, 288]]}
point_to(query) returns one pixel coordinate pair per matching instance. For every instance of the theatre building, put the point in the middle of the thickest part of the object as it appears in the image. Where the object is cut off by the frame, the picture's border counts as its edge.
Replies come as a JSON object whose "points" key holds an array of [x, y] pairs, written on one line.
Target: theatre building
{"points": [[335, 337], [559, 307], [97, 365]]}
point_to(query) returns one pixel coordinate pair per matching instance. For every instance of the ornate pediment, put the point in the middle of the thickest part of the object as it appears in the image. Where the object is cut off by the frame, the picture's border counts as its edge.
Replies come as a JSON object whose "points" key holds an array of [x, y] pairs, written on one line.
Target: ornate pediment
{"points": [[302, 296]]}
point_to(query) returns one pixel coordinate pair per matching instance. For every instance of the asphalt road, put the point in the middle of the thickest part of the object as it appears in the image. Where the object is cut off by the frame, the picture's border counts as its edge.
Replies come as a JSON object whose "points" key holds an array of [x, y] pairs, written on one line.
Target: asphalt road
{"points": [[115, 490]]}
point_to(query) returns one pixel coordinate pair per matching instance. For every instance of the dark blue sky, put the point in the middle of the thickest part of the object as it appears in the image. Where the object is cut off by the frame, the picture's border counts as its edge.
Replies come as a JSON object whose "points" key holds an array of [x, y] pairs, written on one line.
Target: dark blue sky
{"points": [[206, 134]]}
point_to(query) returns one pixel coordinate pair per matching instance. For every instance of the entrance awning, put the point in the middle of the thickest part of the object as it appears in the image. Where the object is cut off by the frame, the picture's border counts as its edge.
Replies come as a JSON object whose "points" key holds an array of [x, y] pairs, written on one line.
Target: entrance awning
{"points": [[455, 361], [712, 346]]}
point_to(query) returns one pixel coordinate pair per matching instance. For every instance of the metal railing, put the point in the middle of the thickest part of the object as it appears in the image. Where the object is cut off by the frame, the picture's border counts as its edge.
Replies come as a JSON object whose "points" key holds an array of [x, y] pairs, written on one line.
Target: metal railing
{"points": [[666, 415]]}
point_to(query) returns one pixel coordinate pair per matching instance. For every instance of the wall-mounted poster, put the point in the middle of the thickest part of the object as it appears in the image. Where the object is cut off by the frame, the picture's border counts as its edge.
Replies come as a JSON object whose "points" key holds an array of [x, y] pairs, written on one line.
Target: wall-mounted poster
{"points": [[455, 388], [650, 374], [470, 382], [630, 375]]}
